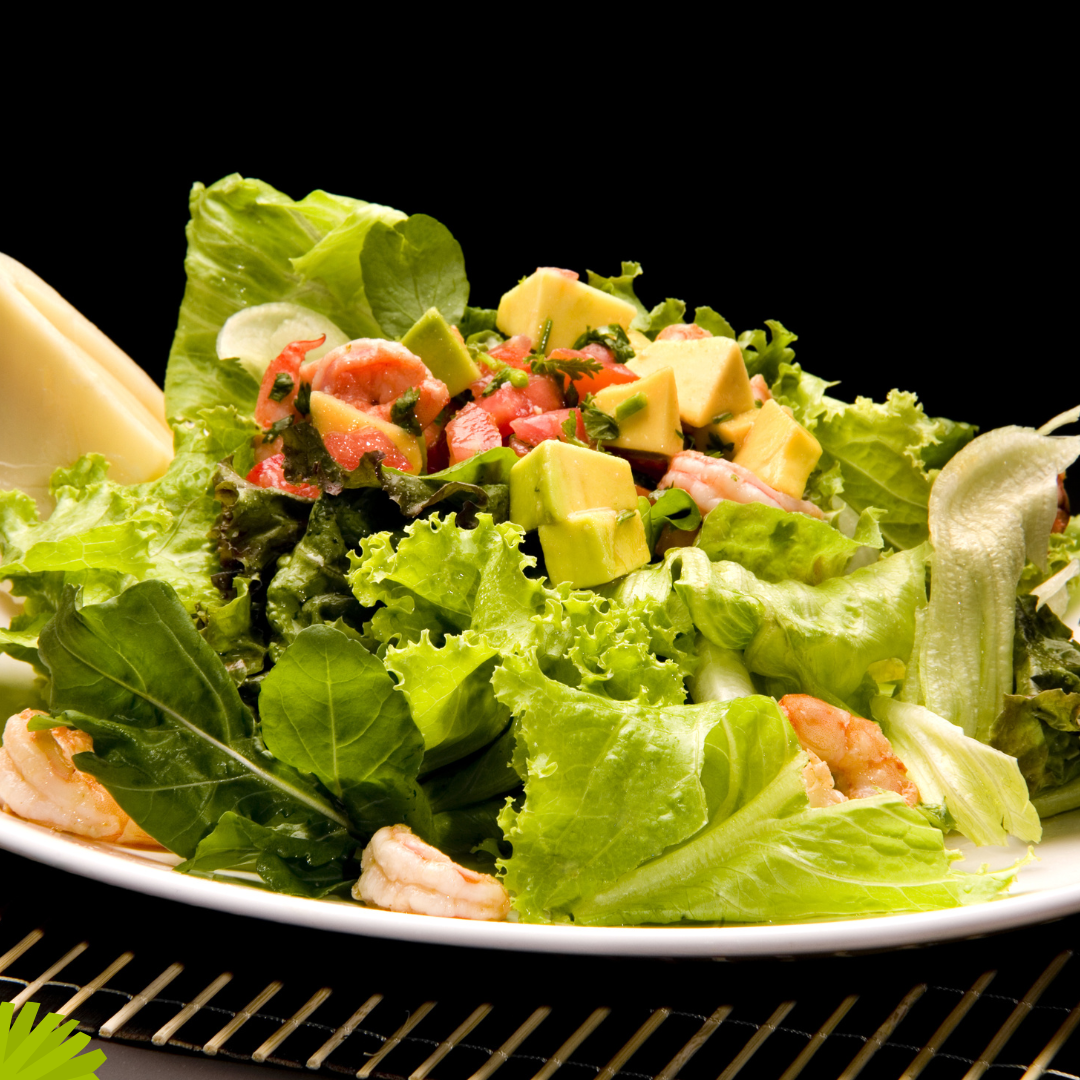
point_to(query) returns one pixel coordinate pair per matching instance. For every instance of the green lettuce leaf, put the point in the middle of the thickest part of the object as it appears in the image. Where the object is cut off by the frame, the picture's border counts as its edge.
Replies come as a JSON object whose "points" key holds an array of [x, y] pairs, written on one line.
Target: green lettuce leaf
{"points": [[667, 313], [622, 285], [173, 742], [330, 708], [713, 321], [246, 246], [300, 858], [482, 481], [777, 545], [449, 694], [764, 354], [979, 786], [608, 786], [674, 507], [882, 450], [721, 674], [409, 267], [990, 513], [488, 773]]}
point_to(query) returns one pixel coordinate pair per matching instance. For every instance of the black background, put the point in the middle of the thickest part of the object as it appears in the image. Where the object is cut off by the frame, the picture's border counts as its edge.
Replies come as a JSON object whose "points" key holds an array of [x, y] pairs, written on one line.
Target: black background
{"points": [[928, 250]]}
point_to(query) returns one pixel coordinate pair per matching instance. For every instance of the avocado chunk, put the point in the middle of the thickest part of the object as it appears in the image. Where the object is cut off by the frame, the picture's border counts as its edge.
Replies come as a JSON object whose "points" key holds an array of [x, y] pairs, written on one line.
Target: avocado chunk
{"points": [[572, 306], [329, 413], [731, 432], [434, 341], [779, 450], [593, 547], [558, 479], [654, 429], [709, 372]]}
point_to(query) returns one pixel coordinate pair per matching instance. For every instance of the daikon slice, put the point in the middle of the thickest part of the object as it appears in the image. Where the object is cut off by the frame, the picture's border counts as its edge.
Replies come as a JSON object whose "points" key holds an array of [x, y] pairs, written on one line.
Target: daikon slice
{"points": [[256, 335]]}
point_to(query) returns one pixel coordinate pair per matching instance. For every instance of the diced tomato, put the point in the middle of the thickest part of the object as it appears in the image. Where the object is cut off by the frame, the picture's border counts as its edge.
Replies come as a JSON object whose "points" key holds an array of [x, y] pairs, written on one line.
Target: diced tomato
{"points": [[518, 446], [438, 456], [470, 432], [270, 473], [348, 447], [652, 465], [573, 275], [533, 430], [508, 402], [589, 384], [268, 411], [513, 351], [683, 332]]}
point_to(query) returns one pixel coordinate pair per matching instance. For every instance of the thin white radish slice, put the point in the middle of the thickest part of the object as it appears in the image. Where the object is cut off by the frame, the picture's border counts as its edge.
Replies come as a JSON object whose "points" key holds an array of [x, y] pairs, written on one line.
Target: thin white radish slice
{"points": [[256, 335]]}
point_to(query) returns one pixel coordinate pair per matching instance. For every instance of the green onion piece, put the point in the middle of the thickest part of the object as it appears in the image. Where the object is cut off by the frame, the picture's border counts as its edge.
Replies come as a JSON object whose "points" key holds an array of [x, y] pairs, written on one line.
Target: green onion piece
{"points": [[633, 404], [519, 378], [544, 335]]}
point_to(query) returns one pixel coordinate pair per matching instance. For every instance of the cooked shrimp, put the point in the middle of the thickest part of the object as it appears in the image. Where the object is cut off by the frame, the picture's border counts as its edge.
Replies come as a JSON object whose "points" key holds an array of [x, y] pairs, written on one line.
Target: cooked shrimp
{"points": [[402, 873], [683, 332], [371, 374], [856, 751], [269, 411], [39, 782], [820, 786], [709, 481], [760, 389]]}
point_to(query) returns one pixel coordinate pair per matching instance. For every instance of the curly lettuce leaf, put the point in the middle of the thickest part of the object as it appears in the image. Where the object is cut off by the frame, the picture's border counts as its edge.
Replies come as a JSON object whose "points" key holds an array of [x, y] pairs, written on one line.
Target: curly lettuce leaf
{"points": [[883, 450], [621, 285], [331, 709], [449, 694], [764, 354]]}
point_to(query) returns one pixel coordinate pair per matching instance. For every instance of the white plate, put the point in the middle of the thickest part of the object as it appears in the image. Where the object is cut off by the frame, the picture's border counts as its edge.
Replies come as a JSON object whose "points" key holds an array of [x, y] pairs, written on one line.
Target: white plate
{"points": [[1047, 889]]}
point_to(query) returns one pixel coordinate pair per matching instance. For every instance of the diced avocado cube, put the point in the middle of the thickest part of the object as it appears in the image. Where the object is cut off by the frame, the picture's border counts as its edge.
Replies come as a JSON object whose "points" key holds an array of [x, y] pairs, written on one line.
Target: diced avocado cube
{"points": [[654, 429], [571, 305], [593, 547], [731, 432], [330, 414], [558, 479], [709, 372], [432, 339], [779, 450]]}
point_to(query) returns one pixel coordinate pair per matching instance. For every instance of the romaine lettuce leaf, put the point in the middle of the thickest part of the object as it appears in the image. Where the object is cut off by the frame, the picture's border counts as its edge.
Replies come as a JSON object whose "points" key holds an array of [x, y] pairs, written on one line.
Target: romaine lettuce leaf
{"points": [[609, 785], [243, 238], [979, 786], [777, 545], [991, 510]]}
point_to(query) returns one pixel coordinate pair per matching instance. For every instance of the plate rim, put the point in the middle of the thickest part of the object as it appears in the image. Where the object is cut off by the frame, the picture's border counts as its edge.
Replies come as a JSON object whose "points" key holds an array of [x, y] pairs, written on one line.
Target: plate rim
{"points": [[140, 872]]}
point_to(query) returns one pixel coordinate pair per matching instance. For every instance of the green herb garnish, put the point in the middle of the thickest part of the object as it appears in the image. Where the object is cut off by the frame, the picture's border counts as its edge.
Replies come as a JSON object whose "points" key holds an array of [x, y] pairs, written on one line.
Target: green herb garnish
{"points": [[612, 337], [302, 401], [403, 411], [282, 388], [631, 405]]}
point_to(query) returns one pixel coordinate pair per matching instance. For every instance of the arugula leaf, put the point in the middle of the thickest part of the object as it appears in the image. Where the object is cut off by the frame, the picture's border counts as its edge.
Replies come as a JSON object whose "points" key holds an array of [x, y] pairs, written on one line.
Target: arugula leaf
{"points": [[179, 748], [300, 858], [330, 708], [410, 267]]}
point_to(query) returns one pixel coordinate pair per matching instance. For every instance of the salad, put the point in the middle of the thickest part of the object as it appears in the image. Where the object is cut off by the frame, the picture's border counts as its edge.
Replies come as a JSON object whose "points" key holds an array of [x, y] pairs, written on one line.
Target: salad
{"points": [[569, 610]]}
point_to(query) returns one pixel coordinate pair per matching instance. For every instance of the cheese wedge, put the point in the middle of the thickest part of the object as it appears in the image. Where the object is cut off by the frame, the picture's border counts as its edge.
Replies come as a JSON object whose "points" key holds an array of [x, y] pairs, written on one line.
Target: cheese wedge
{"points": [[68, 390]]}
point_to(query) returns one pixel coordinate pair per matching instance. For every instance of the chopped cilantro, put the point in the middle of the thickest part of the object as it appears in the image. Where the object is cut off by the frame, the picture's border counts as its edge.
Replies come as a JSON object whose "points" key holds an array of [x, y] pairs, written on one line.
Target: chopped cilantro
{"points": [[403, 411], [612, 337], [282, 388], [302, 401]]}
